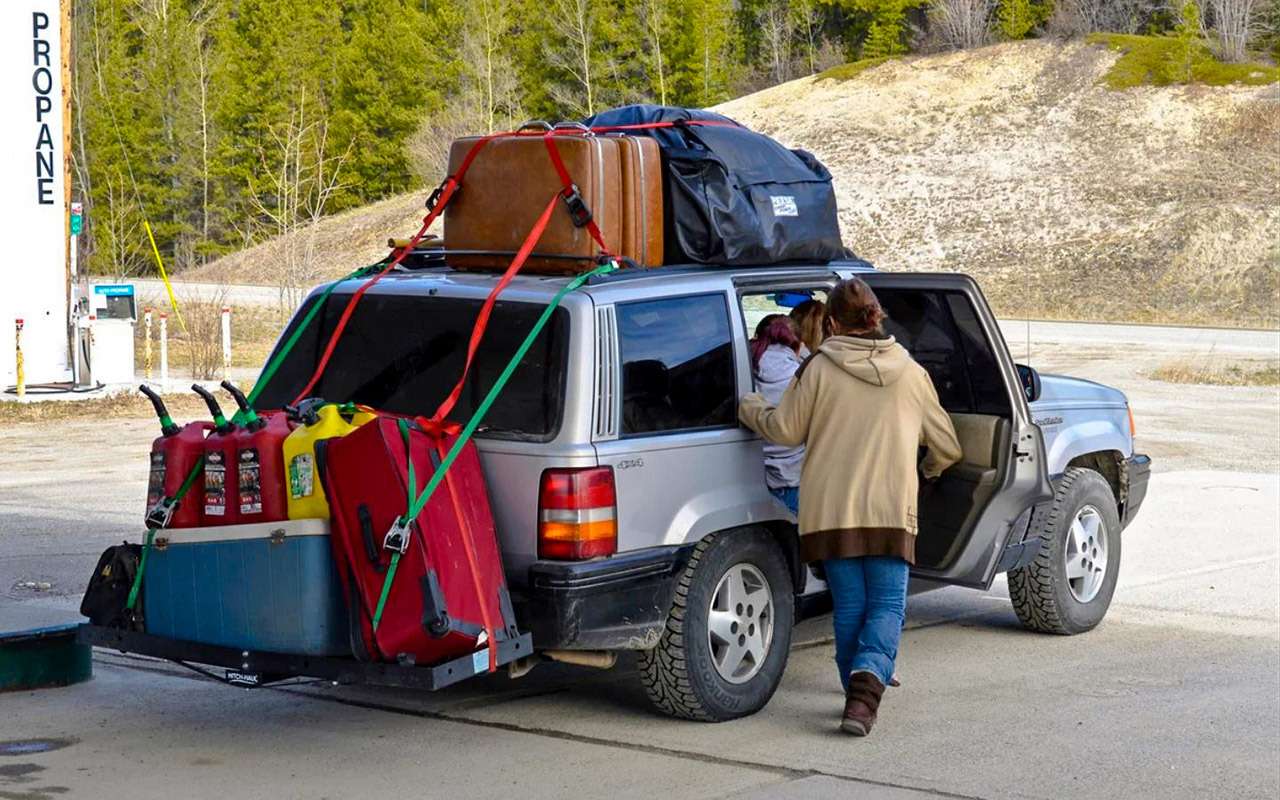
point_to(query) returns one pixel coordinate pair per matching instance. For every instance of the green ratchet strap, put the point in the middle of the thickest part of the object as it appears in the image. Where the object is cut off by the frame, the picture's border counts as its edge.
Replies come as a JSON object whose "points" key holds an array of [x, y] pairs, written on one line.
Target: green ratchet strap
{"points": [[417, 503], [151, 533], [269, 372]]}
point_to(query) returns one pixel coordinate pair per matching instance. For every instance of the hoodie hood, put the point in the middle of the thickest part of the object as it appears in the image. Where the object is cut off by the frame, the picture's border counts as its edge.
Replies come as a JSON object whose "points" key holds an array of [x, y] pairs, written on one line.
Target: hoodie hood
{"points": [[777, 364], [879, 362]]}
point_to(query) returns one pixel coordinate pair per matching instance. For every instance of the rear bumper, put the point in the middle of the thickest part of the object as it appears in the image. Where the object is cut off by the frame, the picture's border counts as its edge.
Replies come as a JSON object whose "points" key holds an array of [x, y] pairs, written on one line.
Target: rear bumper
{"points": [[615, 603], [1138, 469]]}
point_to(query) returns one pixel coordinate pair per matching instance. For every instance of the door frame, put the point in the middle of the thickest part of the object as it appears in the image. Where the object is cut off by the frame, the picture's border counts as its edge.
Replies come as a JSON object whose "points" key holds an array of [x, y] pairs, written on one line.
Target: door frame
{"points": [[1023, 479]]}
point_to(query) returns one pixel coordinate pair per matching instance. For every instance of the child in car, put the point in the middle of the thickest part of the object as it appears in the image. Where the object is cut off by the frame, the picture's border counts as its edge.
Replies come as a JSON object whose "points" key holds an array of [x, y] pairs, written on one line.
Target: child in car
{"points": [[776, 354]]}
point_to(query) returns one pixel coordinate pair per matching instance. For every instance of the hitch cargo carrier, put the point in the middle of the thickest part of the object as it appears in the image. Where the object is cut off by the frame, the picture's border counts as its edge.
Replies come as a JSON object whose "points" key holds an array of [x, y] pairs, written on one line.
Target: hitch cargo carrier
{"points": [[251, 668]]}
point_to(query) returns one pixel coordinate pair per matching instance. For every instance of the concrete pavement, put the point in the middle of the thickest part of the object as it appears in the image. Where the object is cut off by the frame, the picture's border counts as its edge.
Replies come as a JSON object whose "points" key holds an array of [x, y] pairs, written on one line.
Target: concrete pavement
{"points": [[1173, 696]]}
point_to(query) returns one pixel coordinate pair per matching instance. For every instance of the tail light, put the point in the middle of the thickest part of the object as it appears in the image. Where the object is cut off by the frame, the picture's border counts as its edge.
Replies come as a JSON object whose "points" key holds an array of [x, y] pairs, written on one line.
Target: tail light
{"points": [[1133, 429], [577, 514]]}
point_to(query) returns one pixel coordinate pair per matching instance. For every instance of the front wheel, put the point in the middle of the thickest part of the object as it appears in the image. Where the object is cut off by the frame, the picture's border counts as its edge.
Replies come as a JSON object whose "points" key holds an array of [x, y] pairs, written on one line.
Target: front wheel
{"points": [[1067, 588], [728, 634]]}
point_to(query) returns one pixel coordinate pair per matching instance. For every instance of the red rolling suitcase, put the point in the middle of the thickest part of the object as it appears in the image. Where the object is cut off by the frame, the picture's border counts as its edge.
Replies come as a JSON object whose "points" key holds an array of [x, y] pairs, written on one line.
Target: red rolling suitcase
{"points": [[448, 595]]}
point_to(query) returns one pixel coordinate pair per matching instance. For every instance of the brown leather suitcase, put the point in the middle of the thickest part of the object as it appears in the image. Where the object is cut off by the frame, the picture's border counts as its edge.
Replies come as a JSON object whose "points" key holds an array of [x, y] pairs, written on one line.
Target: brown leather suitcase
{"points": [[510, 181]]}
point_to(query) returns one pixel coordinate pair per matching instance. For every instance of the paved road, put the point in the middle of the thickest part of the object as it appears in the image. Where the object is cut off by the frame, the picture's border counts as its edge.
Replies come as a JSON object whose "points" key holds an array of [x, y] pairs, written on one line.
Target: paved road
{"points": [[1174, 696]]}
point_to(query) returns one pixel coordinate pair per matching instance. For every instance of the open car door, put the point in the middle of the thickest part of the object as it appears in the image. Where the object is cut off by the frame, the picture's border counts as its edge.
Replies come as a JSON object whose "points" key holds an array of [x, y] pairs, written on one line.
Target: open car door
{"points": [[982, 504]]}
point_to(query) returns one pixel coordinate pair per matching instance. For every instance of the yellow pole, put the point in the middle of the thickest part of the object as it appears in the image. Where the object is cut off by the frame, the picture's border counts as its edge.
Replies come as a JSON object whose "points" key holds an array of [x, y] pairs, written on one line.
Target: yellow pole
{"points": [[17, 343]]}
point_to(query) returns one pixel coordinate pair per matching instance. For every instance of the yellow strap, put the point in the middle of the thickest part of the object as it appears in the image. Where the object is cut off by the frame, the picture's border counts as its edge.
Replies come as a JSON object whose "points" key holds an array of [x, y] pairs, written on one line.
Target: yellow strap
{"points": [[164, 276]]}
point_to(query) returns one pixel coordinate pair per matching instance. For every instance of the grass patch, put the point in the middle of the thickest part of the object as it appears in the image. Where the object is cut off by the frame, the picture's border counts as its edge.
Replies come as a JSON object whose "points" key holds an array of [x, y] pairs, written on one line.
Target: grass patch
{"points": [[853, 69], [183, 406], [1168, 61], [1218, 375]]}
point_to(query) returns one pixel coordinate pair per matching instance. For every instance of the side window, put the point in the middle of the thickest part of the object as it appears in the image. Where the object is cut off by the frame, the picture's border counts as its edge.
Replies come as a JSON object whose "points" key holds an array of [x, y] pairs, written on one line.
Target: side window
{"points": [[677, 364], [957, 356]]}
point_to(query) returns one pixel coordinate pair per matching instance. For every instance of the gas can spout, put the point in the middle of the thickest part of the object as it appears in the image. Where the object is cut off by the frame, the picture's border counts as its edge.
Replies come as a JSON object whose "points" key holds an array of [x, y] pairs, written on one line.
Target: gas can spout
{"points": [[246, 416], [219, 421], [167, 426]]}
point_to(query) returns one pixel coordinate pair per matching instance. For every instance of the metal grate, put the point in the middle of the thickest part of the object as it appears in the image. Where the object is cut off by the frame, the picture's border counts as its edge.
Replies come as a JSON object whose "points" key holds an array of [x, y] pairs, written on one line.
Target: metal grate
{"points": [[606, 374]]}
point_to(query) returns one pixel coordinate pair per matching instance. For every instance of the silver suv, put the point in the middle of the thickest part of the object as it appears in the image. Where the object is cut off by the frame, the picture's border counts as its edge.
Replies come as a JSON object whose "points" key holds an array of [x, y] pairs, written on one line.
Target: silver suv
{"points": [[632, 508]]}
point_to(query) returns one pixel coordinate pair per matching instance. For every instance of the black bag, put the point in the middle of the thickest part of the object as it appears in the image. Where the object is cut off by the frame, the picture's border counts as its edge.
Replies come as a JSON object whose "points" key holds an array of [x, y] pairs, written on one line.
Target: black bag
{"points": [[108, 591], [734, 196]]}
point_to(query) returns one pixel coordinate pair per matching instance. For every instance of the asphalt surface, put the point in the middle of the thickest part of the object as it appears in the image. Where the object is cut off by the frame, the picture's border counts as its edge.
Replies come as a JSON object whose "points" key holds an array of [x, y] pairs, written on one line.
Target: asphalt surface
{"points": [[1175, 695]]}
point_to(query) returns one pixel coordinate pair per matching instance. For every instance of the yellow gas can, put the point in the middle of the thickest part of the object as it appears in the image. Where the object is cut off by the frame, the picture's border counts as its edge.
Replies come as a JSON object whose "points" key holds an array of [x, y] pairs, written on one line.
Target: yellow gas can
{"points": [[306, 493]]}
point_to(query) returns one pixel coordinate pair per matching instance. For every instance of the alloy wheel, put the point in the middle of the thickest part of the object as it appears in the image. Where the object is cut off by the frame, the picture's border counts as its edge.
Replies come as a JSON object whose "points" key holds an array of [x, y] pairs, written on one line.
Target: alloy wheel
{"points": [[740, 623]]}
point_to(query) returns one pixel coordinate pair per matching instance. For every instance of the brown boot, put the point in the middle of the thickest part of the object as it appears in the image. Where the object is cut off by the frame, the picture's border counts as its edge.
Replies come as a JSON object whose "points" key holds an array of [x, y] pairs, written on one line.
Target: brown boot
{"points": [[861, 703]]}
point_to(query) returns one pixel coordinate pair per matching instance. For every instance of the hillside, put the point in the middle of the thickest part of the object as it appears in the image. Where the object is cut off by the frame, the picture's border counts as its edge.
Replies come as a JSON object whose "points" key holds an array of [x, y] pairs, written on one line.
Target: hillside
{"points": [[1014, 163]]}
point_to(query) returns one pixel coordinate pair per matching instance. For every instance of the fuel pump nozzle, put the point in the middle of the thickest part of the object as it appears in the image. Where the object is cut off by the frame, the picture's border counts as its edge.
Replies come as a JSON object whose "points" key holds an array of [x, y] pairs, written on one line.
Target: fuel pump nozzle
{"points": [[220, 423], [246, 416], [167, 426]]}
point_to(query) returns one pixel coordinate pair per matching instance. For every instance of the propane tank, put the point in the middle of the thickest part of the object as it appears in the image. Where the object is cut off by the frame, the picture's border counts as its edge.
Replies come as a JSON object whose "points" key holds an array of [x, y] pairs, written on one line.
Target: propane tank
{"points": [[319, 421], [173, 455], [220, 476], [260, 478]]}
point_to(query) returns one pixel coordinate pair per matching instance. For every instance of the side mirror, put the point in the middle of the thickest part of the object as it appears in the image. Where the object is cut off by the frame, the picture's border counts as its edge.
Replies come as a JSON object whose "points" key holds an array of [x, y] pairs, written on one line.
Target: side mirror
{"points": [[1030, 382]]}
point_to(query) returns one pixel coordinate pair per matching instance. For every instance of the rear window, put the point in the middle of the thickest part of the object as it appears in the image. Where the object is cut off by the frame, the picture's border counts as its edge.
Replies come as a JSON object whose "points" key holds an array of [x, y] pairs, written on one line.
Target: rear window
{"points": [[403, 354]]}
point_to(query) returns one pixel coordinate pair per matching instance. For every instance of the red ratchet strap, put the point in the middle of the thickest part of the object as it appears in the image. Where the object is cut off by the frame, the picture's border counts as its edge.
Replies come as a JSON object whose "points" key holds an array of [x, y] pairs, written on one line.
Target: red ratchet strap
{"points": [[469, 546], [648, 126], [577, 209], [482, 319], [436, 205]]}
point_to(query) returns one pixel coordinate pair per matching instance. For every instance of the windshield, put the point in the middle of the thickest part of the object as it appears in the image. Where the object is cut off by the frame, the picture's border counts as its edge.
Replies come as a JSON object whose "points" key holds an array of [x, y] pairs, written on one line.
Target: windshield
{"points": [[403, 354]]}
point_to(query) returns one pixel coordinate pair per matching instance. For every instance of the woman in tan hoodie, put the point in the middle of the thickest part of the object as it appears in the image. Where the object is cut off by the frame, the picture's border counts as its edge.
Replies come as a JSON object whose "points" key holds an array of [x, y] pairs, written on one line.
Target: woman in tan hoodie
{"points": [[862, 407]]}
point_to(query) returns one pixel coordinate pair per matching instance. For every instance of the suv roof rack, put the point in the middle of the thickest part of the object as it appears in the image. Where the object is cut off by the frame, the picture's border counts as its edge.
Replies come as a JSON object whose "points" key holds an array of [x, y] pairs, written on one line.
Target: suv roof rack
{"points": [[434, 257]]}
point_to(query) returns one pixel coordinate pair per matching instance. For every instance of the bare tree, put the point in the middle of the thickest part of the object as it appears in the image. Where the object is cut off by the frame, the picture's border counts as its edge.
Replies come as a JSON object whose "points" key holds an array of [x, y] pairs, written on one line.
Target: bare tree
{"points": [[962, 24], [1080, 17], [575, 19], [774, 19], [1232, 24], [654, 18], [808, 18], [298, 178]]}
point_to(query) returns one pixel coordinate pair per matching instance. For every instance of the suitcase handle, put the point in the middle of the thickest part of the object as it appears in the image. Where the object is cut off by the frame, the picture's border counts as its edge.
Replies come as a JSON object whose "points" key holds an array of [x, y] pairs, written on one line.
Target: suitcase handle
{"points": [[371, 548], [538, 124], [435, 620], [571, 126]]}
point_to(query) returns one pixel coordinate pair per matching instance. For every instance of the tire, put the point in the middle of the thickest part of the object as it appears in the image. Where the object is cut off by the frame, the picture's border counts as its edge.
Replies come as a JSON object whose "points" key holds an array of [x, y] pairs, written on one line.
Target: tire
{"points": [[1045, 596], [683, 676]]}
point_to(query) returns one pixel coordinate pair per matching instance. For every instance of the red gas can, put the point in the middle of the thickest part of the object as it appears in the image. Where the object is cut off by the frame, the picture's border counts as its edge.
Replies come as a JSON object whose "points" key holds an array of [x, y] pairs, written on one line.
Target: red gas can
{"points": [[221, 491], [173, 455], [260, 476]]}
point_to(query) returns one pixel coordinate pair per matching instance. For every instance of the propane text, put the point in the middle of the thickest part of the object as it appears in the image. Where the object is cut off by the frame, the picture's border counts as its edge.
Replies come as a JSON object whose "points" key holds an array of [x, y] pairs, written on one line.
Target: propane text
{"points": [[42, 82]]}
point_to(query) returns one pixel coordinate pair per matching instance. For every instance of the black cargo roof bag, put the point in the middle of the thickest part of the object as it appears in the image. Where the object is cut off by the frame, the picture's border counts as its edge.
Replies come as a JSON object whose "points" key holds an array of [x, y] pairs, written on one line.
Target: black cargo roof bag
{"points": [[734, 196]]}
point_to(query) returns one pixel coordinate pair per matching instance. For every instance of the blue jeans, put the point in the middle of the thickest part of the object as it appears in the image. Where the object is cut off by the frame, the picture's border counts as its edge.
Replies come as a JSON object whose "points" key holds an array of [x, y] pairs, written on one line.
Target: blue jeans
{"points": [[790, 497], [869, 605]]}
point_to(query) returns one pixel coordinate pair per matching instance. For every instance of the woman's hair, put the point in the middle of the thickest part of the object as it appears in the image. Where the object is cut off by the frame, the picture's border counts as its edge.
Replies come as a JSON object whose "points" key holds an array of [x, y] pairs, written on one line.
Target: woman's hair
{"points": [[808, 317], [773, 329], [854, 307]]}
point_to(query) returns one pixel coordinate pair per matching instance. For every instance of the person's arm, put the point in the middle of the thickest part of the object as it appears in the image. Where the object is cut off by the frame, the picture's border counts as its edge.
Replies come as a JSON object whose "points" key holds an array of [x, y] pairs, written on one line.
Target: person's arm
{"points": [[937, 433], [787, 423]]}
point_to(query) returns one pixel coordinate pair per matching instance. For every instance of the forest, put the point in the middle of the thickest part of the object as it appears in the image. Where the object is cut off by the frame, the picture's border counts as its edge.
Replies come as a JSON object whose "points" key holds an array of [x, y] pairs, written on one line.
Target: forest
{"points": [[224, 122]]}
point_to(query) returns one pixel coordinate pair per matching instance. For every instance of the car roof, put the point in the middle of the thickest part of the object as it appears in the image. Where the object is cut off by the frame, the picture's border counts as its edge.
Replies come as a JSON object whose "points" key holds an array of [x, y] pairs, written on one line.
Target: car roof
{"points": [[438, 277]]}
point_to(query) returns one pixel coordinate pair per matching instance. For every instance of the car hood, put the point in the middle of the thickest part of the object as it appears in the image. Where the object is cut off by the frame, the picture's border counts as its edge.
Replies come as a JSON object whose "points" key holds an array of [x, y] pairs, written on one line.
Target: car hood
{"points": [[1061, 391]]}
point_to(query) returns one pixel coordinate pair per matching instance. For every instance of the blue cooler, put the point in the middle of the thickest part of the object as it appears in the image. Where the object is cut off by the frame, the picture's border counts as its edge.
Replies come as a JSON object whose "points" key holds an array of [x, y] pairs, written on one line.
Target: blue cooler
{"points": [[268, 586]]}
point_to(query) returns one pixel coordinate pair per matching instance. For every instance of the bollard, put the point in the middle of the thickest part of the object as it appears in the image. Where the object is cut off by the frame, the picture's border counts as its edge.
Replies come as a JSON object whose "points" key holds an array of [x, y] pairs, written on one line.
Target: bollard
{"points": [[226, 342], [146, 347], [164, 352], [18, 366]]}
